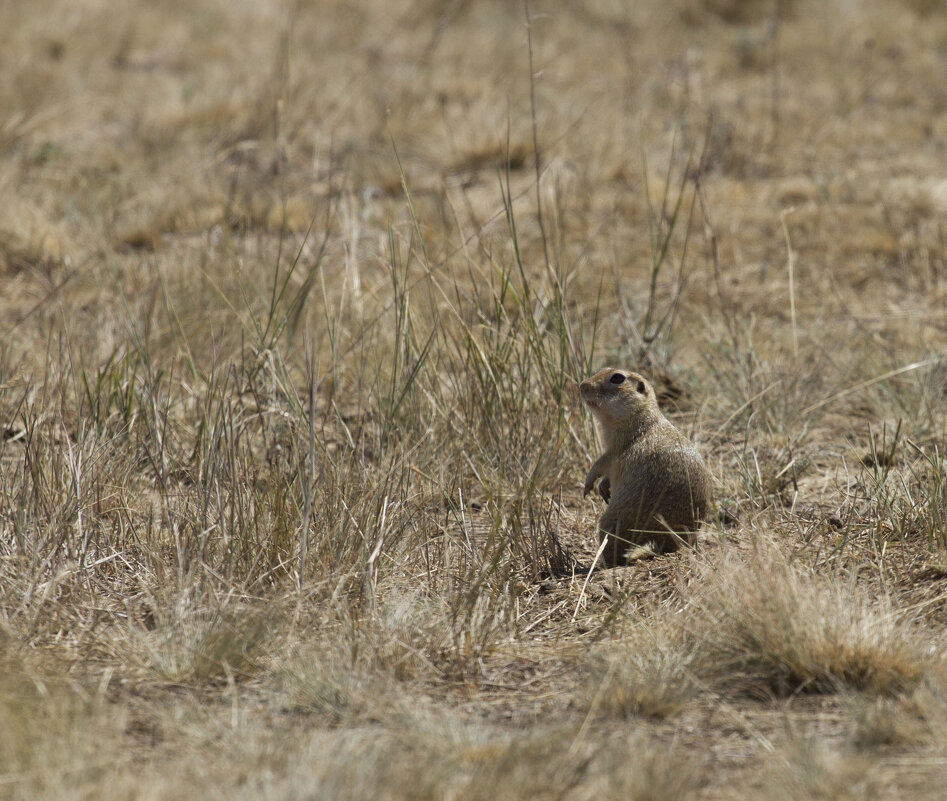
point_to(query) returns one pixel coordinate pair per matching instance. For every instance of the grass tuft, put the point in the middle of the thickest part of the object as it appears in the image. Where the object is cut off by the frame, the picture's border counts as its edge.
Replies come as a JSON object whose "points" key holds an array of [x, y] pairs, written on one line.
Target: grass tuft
{"points": [[648, 672], [764, 624], [184, 645]]}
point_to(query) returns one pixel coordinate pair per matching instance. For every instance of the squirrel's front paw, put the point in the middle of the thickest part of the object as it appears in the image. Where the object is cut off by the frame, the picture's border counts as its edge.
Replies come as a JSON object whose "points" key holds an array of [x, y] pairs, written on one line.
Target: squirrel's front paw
{"points": [[605, 489]]}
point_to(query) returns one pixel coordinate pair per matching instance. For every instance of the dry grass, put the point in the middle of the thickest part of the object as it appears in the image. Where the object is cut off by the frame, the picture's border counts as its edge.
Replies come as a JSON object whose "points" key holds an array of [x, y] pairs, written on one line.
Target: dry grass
{"points": [[765, 625], [294, 301], [754, 624], [650, 673]]}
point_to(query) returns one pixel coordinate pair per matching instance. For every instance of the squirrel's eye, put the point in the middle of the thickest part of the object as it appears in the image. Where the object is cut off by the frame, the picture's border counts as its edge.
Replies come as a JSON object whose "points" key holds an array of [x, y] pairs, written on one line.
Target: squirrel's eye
{"points": [[617, 378]]}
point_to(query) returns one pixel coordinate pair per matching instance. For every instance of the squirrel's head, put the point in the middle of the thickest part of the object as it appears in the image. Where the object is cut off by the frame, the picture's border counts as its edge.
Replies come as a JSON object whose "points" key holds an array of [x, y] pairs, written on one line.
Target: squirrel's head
{"points": [[619, 397]]}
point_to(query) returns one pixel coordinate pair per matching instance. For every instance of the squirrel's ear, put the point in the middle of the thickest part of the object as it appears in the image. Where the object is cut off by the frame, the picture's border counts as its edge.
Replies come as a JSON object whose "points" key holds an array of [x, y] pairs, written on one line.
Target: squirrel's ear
{"points": [[642, 389]]}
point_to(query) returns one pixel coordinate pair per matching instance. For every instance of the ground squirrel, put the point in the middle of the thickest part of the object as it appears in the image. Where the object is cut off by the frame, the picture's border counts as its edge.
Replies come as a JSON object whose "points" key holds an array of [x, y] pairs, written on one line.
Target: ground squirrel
{"points": [[653, 478]]}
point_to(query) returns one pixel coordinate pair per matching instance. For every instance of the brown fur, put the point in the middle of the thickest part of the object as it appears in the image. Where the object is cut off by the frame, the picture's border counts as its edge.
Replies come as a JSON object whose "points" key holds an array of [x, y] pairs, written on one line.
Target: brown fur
{"points": [[654, 480]]}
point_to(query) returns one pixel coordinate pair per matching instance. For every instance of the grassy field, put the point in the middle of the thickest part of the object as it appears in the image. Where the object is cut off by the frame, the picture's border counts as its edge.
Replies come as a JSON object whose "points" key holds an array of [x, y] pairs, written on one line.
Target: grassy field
{"points": [[294, 298]]}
